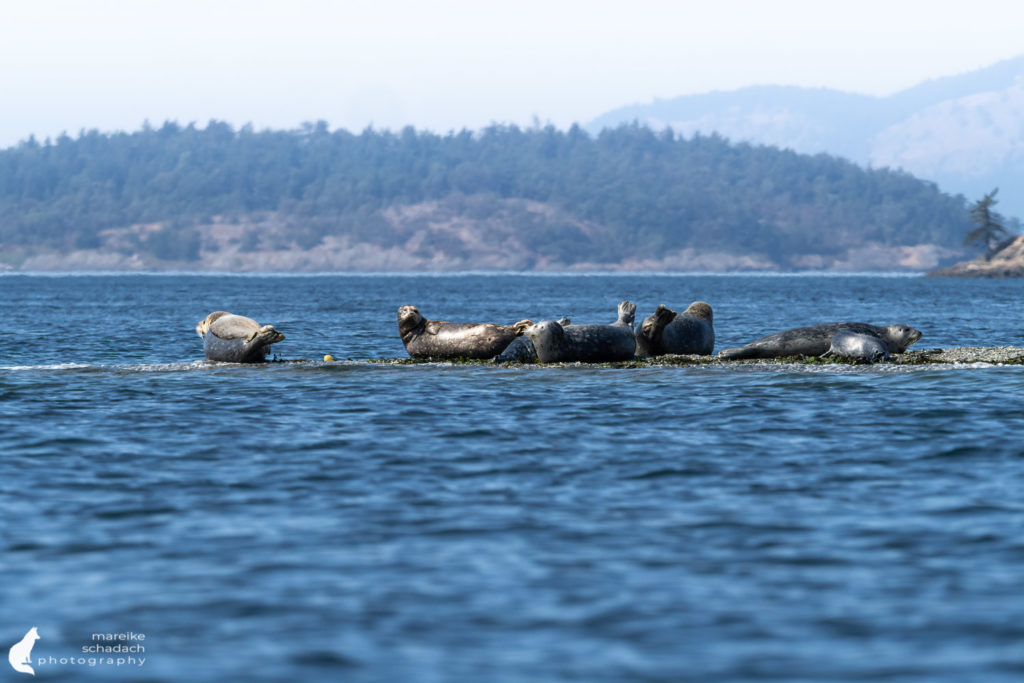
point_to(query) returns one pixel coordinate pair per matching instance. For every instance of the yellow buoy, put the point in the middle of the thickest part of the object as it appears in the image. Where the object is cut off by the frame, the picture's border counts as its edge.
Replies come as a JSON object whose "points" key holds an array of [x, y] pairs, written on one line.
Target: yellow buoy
{"points": [[328, 358]]}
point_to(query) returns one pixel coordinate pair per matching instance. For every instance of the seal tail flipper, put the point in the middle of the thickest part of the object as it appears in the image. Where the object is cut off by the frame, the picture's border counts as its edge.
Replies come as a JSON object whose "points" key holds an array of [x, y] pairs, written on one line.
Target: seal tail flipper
{"points": [[521, 326], [627, 314], [266, 335]]}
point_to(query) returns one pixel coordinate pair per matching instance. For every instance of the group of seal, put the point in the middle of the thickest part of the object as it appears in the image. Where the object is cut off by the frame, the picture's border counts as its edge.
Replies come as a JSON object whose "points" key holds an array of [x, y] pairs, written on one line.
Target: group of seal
{"points": [[559, 341], [234, 338], [664, 332]]}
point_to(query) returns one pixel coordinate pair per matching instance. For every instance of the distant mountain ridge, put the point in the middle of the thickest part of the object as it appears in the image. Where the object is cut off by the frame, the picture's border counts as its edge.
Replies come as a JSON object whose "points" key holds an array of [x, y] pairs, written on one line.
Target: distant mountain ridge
{"points": [[965, 132]]}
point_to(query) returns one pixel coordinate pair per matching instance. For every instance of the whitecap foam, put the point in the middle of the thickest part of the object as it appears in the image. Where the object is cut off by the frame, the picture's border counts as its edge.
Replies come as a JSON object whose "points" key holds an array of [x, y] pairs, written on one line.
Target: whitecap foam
{"points": [[138, 367], [57, 366]]}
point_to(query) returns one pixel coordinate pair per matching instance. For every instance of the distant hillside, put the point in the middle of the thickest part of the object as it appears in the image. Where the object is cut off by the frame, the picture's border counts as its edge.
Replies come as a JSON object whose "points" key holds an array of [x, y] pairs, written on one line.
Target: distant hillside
{"points": [[964, 132], [502, 198]]}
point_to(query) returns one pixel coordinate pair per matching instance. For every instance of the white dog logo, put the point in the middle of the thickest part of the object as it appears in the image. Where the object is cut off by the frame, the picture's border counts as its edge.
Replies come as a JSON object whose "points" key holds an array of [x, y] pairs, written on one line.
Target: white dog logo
{"points": [[20, 655]]}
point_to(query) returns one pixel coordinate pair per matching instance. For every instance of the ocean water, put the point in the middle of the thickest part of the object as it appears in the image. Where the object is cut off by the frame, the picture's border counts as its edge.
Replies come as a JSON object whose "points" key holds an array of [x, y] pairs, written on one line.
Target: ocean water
{"points": [[354, 521]]}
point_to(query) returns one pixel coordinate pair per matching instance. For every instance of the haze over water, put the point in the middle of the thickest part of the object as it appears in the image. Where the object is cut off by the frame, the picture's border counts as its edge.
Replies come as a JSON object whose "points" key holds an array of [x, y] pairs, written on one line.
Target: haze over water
{"points": [[368, 522]]}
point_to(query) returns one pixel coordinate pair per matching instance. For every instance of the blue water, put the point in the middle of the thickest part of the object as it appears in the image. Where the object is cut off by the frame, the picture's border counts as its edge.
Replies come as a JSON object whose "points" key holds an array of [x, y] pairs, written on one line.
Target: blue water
{"points": [[353, 521]]}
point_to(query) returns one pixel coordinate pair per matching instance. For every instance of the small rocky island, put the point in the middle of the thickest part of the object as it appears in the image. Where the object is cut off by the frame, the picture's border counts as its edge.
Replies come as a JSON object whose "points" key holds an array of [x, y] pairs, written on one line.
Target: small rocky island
{"points": [[1006, 262]]}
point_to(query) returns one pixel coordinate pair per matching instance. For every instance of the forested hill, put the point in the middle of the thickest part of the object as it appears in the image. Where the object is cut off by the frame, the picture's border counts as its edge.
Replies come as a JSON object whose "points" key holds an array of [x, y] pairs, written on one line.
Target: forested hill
{"points": [[503, 197]]}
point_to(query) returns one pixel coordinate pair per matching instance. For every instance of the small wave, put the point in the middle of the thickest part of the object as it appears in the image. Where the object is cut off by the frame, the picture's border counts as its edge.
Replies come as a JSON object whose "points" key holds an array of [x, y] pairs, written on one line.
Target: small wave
{"points": [[674, 472], [187, 366], [161, 367], [325, 658], [90, 367], [57, 366]]}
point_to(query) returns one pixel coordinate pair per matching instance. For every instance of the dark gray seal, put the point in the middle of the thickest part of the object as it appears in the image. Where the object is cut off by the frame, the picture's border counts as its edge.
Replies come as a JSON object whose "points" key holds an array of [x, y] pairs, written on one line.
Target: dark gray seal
{"points": [[816, 340], [521, 349], [447, 341], [666, 331], [585, 343], [234, 338], [865, 348]]}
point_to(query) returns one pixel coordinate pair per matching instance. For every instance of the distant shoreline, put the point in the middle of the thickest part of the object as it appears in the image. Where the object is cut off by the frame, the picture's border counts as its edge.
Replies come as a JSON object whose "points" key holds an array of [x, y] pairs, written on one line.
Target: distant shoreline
{"points": [[463, 273]]}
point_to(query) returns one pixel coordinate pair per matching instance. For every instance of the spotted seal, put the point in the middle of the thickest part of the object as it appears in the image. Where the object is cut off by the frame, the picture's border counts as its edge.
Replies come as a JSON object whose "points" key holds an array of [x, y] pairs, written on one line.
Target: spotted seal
{"points": [[586, 343], [857, 346], [444, 340], [816, 340], [665, 331], [521, 349], [236, 339]]}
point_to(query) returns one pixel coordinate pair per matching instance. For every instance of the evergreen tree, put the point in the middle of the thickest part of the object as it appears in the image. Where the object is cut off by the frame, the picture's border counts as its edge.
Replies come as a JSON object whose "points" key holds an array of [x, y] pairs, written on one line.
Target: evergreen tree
{"points": [[990, 231]]}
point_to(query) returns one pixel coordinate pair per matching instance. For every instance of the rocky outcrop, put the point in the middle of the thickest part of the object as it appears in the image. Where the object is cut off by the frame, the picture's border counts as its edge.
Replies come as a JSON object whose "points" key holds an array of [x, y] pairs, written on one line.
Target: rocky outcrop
{"points": [[1007, 262]]}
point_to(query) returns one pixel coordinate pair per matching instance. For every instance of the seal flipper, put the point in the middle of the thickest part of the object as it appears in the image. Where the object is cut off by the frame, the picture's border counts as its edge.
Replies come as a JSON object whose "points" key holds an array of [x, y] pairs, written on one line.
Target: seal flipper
{"points": [[831, 353], [521, 326], [737, 353], [627, 314], [521, 350], [265, 336]]}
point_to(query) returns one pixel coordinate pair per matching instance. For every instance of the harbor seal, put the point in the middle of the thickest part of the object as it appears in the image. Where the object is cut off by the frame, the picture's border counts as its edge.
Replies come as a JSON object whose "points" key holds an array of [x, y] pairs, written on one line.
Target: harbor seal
{"points": [[857, 346], [665, 331], [236, 339], [521, 349], [816, 340], [585, 343], [444, 340]]}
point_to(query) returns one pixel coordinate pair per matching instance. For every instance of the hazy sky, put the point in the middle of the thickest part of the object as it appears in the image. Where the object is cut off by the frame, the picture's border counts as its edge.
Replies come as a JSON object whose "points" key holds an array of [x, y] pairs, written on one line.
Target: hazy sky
{"points": [[447, 64]]}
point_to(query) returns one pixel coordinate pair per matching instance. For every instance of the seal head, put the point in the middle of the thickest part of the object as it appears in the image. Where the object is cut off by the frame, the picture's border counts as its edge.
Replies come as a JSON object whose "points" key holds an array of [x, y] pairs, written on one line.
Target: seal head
{"points": [[899, 337], [410, 322]]}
